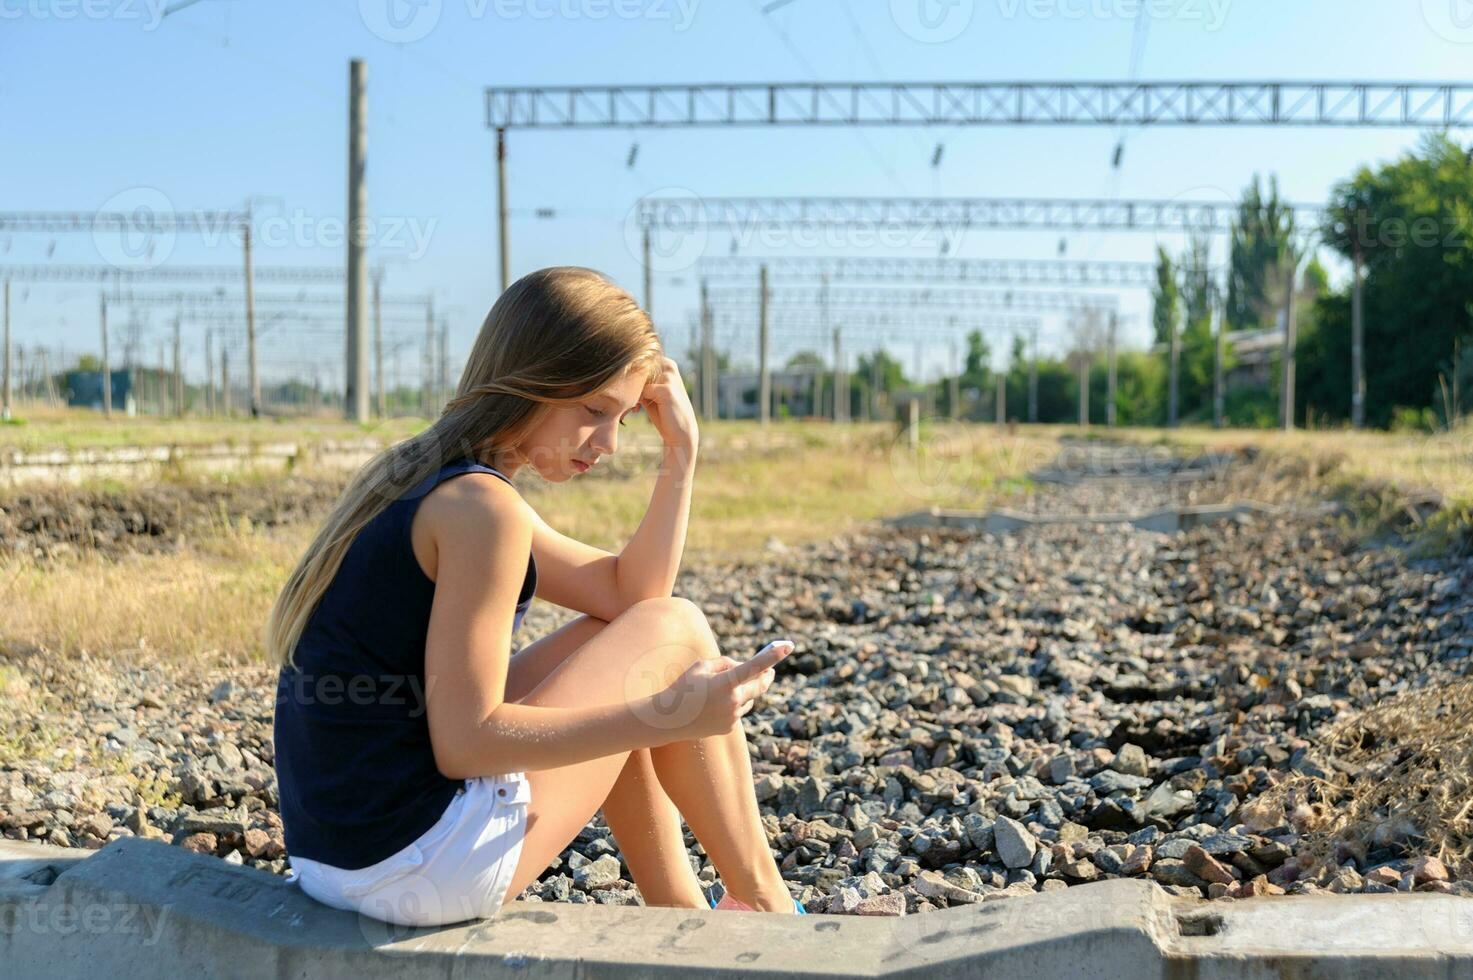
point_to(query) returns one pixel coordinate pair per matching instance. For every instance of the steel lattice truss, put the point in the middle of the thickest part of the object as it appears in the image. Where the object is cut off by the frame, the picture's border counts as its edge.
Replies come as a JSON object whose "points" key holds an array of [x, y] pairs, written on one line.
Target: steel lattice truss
{"points": [[685, 214], [882, 298], [1254, 103], [877, 321], [140, 221], [210, 300], [1017, 272], [192, 273]]}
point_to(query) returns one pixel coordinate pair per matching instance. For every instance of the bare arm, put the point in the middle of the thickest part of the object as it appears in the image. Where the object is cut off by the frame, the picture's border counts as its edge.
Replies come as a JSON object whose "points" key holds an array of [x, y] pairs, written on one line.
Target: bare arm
{"points": [[650, 561], [481, 531]]}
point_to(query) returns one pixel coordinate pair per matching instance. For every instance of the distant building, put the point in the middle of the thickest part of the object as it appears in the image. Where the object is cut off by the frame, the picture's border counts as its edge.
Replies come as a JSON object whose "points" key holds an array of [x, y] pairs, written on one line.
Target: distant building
{"points": [[84, 390], [736, 396]]}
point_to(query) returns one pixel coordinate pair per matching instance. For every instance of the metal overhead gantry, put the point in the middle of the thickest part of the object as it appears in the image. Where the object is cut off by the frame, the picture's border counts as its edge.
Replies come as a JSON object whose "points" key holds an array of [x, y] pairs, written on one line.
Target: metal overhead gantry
{"points": [[814, 326], [949, 270], [1421, 104], [1336, 104], [317, 275], [683, 214], [1426, 104], [1016, 272], [864, 297], [117, 275]]}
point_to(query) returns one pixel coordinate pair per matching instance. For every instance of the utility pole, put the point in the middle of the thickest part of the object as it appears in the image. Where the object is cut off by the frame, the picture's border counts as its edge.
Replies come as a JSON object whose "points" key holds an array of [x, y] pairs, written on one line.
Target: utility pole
{"points": [[253, 378], [1083, 389], [51, 396], [874, 385], [649, 286], [178, 375], [955, 388], [225, 381], [501, 204], [378, 342], [1357, 341], [427, 394], [697, 368], [764, 379], [1000, 379], [5, 411], [444, 361], [1175, 368], [841, 383], [355, 374], [1286, 382], [107, 375], [1219, 364], [1033, 375], [210, 371], [708, 356], [1110, 376]]}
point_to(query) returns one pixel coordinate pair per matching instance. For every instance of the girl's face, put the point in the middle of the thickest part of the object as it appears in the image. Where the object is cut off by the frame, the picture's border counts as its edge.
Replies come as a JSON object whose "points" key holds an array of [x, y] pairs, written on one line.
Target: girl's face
{"points": [[570, 439]]}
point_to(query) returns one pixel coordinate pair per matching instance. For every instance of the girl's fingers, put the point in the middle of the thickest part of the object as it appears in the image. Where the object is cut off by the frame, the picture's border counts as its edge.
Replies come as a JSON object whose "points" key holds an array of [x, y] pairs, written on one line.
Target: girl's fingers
{"points": [[770, 656]]}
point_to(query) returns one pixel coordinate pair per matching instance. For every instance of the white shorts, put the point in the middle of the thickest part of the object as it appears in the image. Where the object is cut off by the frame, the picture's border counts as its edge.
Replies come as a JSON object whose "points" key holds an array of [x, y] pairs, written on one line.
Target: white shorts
{"points": [[459, 869]]}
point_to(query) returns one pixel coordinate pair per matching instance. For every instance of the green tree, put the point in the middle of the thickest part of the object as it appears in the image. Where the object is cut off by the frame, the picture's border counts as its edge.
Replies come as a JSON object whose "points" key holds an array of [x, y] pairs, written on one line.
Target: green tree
{"points": [[1412, 223], [1262, 236], [1165, 297]]}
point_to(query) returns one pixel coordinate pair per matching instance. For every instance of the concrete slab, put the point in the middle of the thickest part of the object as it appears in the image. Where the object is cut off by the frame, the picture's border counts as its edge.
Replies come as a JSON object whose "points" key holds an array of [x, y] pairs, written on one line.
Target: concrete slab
{"points": [[148, 909]]}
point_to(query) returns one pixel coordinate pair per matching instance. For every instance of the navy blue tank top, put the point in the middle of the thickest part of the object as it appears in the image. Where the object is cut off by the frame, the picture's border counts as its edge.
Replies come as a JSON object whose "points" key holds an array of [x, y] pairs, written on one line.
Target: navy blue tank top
{"points": [[354, 765]]}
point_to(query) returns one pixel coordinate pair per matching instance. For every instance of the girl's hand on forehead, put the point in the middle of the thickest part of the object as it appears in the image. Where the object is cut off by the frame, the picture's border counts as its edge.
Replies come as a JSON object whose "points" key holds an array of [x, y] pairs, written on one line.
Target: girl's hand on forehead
{"points": [[668, 406]]}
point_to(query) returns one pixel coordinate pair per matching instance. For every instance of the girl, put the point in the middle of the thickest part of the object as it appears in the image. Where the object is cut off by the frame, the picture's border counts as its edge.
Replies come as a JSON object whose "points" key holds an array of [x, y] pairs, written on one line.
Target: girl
{"points": [[426, 776]]}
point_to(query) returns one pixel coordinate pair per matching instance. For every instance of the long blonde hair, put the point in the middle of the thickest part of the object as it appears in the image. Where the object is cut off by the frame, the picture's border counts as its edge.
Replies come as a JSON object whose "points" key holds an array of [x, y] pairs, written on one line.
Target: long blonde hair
{"points": [[555, 335]]}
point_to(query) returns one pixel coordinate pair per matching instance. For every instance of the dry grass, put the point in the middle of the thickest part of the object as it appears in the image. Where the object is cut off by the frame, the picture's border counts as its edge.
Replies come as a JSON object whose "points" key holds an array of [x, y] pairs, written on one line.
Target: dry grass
{"points": [[78, 428], [1383, 476], [1441, 461], [206, 603], [1401, 774]]}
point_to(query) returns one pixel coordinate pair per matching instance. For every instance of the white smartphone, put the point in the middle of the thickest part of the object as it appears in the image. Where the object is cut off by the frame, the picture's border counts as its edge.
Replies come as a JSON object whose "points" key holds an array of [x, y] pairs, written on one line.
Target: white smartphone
{"points": [[773, 644]]}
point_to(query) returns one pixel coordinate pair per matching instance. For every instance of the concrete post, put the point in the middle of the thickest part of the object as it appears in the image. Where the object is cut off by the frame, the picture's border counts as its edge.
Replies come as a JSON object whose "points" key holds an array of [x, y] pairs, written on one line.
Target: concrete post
{"points": [[5, 409], [427, 378], [1083, 389], [1175, 372], [649, 278], [355, 369], [1219, 367], [178, 374], [253, 378], [501, 231], [378, 345], [764, 379], [955, 388], [210, 372], [1357, 343], [107, 375], [1033, 375]]}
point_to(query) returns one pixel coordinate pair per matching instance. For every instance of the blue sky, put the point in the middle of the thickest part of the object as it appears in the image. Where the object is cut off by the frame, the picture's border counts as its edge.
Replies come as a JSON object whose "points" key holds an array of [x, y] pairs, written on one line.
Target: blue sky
{"points": [[103, 104]]}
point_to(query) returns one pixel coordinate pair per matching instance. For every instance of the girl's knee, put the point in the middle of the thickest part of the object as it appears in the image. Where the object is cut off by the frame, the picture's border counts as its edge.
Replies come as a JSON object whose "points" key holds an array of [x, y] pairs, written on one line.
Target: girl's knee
{"points": [[674, 618]]}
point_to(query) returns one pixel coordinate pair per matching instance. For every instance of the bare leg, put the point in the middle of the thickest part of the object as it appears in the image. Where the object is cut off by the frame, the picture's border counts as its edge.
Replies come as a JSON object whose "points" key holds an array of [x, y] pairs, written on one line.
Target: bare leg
{"points": [[645, 824], [709, 779]]}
